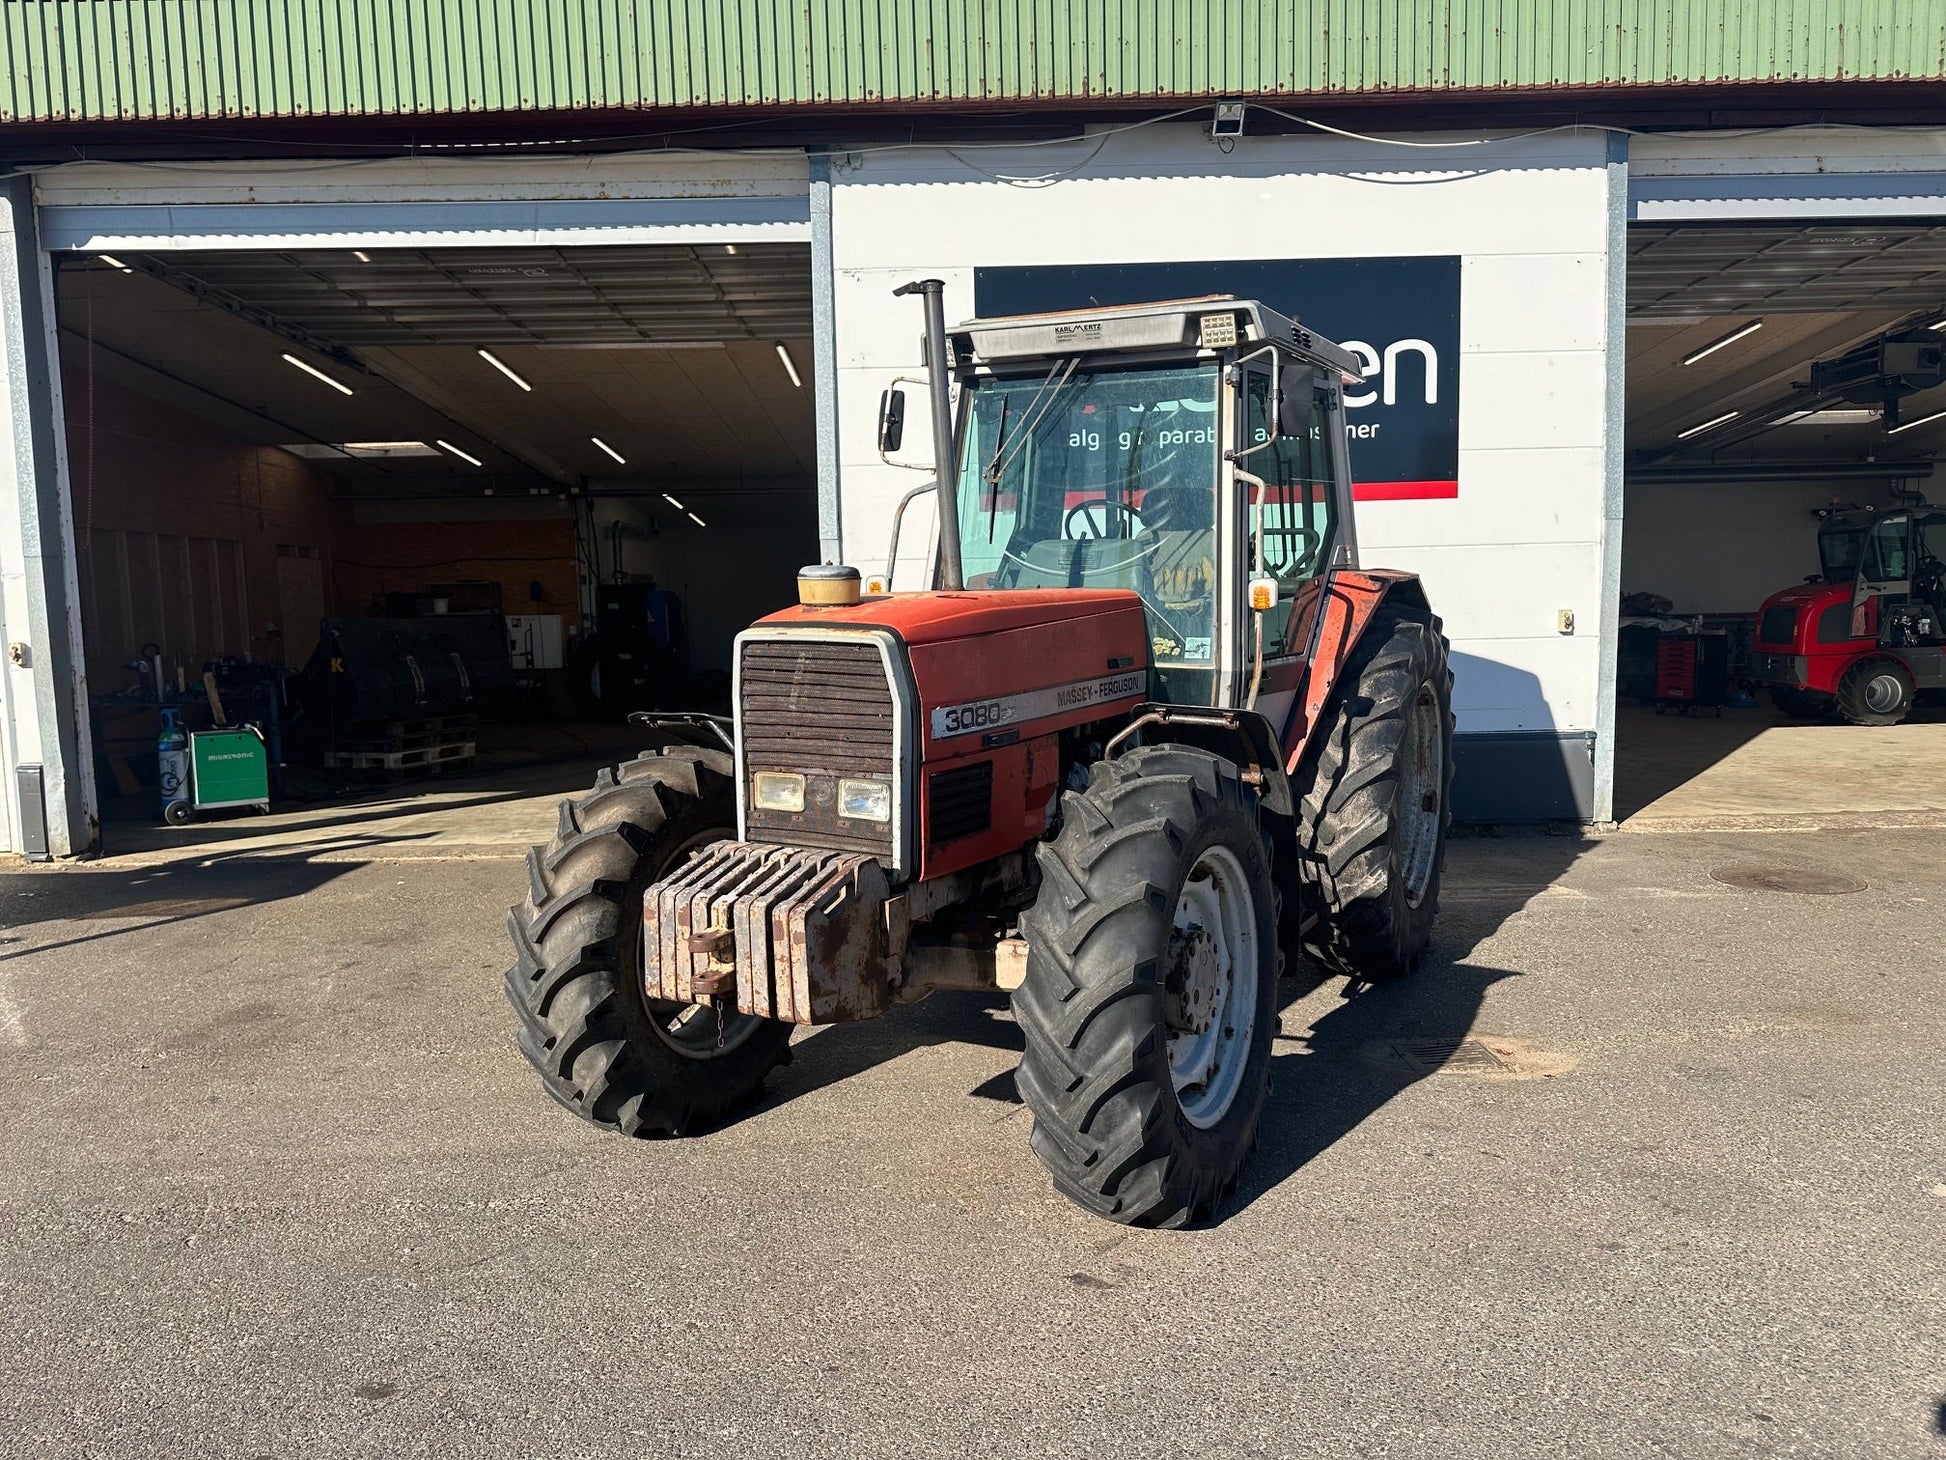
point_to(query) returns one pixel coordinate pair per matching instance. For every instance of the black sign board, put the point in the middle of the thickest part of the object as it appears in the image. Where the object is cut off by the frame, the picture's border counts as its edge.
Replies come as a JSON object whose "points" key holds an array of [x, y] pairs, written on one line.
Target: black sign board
{"points": [[1400, 316]]}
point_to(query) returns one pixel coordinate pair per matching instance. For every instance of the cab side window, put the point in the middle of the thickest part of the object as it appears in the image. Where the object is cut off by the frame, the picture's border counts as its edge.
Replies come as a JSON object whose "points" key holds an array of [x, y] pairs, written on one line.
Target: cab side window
{"points": [[1885, 553], [1298, 515]]}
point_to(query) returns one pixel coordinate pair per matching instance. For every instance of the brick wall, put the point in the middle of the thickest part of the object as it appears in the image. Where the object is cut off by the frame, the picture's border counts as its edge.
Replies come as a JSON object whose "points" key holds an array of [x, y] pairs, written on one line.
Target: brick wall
{"points": [[374, 558]]}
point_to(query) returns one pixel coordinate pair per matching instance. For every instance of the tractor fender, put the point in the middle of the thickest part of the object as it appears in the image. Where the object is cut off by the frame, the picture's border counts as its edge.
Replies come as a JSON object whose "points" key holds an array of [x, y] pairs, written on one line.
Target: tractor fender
{"points": [[1349, 600], [1243, 737]]}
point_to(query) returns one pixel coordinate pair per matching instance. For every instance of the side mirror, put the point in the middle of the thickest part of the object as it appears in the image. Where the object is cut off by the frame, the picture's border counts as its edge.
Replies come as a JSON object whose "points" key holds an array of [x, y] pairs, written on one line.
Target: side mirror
{"points": [[891, 421]]}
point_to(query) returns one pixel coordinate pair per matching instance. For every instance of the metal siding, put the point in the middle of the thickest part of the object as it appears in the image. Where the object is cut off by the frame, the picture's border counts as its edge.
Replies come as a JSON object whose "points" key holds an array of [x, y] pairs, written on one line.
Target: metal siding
{"points": [[98, 60]]}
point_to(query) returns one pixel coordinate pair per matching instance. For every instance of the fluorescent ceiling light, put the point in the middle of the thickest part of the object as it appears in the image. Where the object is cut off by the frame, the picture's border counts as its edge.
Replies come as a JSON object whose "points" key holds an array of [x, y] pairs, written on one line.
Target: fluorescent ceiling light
{"points": [[501, 365], [674, 503], [1938, 325], [609, 449], [337, 385], [387, 448], [113, 262], [1908, 425], [465, 456], [361, 255], [1730, 339], [700, 523], [729, 248], [790, 365], [1834, 416], [1698, 430], [636, 345]]}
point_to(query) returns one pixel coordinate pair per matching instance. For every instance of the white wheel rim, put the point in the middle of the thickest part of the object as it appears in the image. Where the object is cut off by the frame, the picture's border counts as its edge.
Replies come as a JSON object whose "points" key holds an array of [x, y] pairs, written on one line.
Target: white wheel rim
{"points": [[1211, 986], [1422, 783], [1883, 693]]}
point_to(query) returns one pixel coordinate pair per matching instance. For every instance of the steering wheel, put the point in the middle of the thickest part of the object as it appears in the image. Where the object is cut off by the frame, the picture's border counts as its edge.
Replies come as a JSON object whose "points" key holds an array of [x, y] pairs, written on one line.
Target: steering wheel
{"points": [[1081, 515]]}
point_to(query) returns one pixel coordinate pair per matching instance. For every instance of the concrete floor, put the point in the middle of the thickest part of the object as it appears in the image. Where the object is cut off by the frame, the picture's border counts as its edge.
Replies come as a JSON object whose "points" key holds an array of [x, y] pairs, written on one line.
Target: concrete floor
{"points": [[500, 807], [275, 1182], [1761, 766]]}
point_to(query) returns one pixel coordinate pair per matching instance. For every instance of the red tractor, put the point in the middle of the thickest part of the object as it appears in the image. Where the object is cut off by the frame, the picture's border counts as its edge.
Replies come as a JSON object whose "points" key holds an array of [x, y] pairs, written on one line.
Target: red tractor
{"points": [[1867, 635], [1151, 738]]}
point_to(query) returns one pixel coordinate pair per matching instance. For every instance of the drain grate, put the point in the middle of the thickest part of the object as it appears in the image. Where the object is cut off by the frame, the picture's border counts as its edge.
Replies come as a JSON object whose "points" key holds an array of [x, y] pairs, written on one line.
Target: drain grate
{"points": [[1452, 1056], [1757, 877]]}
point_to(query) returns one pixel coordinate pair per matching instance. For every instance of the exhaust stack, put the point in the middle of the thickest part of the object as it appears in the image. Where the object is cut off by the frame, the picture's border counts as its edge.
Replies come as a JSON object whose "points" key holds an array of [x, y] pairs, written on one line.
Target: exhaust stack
{"points": [[945, 475]]}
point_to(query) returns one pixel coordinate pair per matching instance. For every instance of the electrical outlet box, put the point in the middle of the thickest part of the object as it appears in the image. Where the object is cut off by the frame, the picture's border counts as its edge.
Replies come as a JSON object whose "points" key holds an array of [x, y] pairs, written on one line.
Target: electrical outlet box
{"points": [[1564, 620]]}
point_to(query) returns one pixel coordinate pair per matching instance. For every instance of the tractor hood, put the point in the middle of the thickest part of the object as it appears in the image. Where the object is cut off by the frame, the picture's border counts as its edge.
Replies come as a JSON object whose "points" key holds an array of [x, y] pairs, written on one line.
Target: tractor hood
{"points": [[931, 618], [1809, 593], [1011, 663]]}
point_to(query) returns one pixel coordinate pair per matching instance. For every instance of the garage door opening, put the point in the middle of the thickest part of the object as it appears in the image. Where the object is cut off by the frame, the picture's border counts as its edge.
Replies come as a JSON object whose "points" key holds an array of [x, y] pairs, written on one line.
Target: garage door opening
{"points": [[427, 511], [1786, 400]]}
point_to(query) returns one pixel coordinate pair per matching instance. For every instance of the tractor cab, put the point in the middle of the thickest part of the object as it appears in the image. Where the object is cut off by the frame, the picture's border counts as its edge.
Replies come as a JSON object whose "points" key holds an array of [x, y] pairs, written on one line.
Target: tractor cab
{"points": [[1188, 452]]}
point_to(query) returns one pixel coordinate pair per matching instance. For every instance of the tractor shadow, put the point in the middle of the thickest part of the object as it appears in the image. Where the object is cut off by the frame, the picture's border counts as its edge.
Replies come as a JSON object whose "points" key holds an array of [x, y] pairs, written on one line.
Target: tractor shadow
{"points": [[1372, 1044], [1328, 1078], [842, 1052]]}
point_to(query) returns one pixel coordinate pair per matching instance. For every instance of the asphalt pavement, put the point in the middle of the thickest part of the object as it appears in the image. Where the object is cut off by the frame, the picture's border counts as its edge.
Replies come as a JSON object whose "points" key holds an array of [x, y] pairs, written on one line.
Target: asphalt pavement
{"points": [[1643, 1163]]}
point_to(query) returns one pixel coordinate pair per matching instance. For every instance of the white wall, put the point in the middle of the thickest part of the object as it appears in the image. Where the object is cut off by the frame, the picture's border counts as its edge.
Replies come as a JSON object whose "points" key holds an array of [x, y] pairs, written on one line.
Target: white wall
{"points": [[1726, 548], [1528, 220]]}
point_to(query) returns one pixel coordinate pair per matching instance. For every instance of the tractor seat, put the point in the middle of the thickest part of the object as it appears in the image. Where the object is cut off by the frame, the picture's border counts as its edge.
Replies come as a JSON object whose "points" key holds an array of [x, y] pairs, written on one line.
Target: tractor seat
{"points": [[1179, 524]]}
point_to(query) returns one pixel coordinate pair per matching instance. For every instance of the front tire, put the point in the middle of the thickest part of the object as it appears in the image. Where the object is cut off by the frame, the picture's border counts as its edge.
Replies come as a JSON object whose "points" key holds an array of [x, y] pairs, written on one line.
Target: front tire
{"points": [[1150, 995], [1375, 801], [602, 1047], [1875, 692]]}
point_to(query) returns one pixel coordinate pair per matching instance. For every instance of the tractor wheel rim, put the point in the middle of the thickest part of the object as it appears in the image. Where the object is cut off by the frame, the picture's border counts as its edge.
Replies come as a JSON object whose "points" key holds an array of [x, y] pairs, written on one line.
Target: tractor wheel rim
{"points": [[1883, 693], [1422, 787], [1211, 986]]}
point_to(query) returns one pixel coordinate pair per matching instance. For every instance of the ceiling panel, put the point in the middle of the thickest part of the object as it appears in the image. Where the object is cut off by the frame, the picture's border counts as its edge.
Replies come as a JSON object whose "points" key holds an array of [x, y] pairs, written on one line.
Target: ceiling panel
{"points": [[1813, 268], [561, 296], [715, 418]]}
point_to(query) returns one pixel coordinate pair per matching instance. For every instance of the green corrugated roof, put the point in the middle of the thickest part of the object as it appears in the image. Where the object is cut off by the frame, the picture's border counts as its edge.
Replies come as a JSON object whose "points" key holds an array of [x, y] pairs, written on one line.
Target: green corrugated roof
{"points": [[104, 60]]}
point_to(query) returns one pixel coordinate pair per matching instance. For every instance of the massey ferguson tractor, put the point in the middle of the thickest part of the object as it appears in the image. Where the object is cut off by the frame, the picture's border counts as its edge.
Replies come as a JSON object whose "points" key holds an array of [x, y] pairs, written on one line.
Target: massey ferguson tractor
{"points": [[1151, 737], [1867, 635]]}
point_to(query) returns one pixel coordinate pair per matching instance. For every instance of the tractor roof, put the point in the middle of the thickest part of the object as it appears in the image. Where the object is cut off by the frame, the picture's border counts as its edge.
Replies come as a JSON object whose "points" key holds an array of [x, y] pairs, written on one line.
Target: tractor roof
{"points": [[1213, 320]]}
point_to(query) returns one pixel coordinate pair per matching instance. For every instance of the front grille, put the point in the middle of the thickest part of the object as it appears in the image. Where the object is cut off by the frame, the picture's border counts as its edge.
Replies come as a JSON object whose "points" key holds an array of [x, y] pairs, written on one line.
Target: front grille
{"points": [[821, 708], [959, 803], [1779, 625]]}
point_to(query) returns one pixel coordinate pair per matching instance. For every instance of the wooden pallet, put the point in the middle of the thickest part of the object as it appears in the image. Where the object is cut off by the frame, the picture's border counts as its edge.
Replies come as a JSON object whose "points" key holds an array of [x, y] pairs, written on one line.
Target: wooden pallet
{"points": [[417, 758], [393, 736]]}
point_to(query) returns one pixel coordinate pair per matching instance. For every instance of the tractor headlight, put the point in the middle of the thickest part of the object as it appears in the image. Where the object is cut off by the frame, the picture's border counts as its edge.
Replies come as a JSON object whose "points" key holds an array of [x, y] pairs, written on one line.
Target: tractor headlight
{"points": [[865, 800], [778, 791]]}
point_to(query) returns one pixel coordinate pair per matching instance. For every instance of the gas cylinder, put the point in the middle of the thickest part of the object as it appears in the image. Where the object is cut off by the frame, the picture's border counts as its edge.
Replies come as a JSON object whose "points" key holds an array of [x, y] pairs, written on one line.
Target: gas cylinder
{"points": [[172, 766]]}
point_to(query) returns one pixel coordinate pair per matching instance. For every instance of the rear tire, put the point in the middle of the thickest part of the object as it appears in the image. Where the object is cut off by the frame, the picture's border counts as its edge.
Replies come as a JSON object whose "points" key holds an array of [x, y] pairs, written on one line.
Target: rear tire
{"points": [[603, 1049], [1801, 704], [1375, 801], [1875, 692], [1150, 995]]}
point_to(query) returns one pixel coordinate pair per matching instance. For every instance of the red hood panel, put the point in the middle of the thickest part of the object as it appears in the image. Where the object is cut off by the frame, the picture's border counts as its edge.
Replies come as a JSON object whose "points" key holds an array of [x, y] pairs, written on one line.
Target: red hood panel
{"points": [[930, 618], [1805, 593]]}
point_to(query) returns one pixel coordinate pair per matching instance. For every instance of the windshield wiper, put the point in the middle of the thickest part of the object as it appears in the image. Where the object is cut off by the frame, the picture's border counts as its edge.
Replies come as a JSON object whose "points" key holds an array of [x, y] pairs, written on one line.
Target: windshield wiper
{"points": [[1036, 411]]}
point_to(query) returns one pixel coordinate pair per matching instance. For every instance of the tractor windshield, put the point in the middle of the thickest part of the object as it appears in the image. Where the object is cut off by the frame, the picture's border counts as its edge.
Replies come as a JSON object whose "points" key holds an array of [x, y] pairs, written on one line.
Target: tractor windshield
{"points": [[1080, 478], [1839, 549]]}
